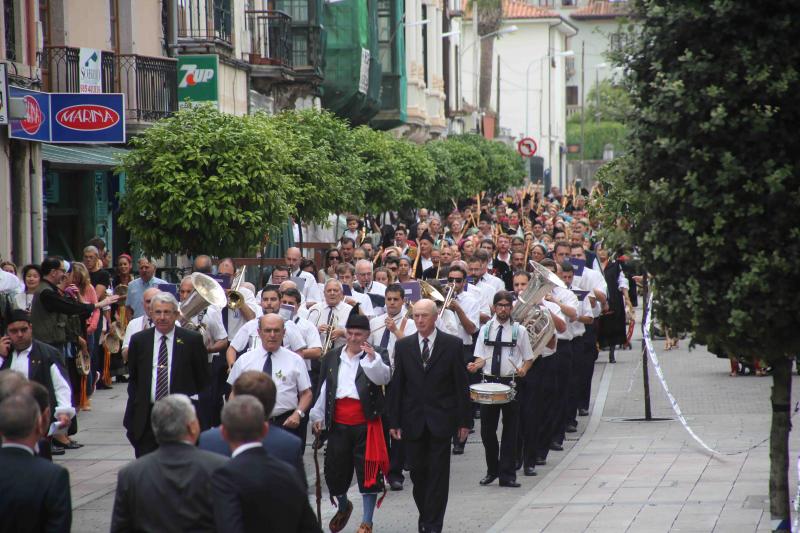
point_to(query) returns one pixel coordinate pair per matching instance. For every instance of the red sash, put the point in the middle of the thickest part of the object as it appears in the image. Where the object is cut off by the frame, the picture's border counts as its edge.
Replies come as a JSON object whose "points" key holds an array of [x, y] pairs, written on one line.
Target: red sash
{"points": [[348, 412]]}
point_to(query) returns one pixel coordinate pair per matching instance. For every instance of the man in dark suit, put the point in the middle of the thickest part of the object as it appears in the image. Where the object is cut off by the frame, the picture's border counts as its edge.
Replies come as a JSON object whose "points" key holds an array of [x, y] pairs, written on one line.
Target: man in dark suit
{"points": [[36, 494], [38, 362], [169, 489], [278, 442], [428, 402], [162, 360], [254, 491]]}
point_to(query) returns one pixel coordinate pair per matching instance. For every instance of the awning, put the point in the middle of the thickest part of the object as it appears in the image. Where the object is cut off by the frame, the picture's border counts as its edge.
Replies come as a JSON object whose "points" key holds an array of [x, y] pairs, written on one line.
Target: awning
{"points": [[82, 156]]}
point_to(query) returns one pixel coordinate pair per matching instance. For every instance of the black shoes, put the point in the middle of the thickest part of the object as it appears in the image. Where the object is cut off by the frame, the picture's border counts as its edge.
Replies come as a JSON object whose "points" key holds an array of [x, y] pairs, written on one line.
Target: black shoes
{"points": [[487, 480], [556, 447], [571, 428], [529, 470], [458, 449], [583, 412], [396, 485], [612, 359], [540, 461], [510, 483]]}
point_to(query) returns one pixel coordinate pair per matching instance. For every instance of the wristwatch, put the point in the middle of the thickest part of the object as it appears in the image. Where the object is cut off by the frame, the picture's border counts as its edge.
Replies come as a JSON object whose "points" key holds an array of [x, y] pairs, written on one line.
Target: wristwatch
{"points": [[300, 413]]}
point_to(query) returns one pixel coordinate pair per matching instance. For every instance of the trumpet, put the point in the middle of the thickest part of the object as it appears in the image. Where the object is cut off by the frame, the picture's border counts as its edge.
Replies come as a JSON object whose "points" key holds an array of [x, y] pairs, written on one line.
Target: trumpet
{"points": [[235, 298], [447, 298], [328, 344]]}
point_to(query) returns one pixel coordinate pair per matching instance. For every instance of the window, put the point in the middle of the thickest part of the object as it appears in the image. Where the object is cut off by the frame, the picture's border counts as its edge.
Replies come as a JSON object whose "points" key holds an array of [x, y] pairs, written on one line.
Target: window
{"points": [[615, 41], [572, 95], [10, 19], [300, 48], [385, 35], [297, 9], [424, 29]]}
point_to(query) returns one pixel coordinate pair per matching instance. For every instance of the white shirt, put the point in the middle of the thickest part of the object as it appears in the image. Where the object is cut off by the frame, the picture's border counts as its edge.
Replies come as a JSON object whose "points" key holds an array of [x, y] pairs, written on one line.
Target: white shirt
{"points": [[511, 359], [19, 362], [431, 340], [244, 447], [156, 347], [448, 322], [23, 300], [484, 291], [496, 283], [578, 328], [376, 370], [365, 303], [212, 318], [426, 263], [10, 283], [135, 326], [247, 337], [288, 372], [378, 327], [309, 333], [506, 260], [318, 315], [376, 287], [310, 290], [591, 280], [235, 318], [567, 298], [555, 310], [472, 309]]}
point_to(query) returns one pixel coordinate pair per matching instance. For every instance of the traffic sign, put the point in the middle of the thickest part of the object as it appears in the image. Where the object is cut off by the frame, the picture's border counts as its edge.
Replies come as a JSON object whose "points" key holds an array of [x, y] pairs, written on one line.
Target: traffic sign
{"points": [[526, 147]]}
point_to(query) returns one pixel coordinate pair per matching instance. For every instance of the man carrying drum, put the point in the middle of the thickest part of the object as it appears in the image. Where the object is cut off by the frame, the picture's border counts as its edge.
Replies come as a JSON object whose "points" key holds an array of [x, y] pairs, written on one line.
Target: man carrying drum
{"points": [[503, 350]]}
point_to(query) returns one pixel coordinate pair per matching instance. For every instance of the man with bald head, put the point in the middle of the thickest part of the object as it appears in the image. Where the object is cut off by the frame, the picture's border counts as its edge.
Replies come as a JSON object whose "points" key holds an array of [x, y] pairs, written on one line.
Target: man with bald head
{"points": [[202, 264], [428, 403], [140, 323], [287, 370], [310, 291]]}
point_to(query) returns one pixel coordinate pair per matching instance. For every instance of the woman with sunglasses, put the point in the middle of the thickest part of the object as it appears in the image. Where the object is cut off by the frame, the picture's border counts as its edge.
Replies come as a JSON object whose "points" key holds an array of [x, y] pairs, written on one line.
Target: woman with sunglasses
{"points": [[333, 259]]}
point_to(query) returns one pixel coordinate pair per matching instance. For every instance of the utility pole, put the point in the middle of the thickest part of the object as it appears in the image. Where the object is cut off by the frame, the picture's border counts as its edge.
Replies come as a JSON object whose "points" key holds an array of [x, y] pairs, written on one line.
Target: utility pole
{"points": [[475, 74], [583, 103], [497, 121]]}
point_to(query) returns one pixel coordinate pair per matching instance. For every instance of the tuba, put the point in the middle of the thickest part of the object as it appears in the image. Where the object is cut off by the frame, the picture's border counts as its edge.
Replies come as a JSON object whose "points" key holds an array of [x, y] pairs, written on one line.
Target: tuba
{"points": [[235, 298], [530, 314], [206, 292]]}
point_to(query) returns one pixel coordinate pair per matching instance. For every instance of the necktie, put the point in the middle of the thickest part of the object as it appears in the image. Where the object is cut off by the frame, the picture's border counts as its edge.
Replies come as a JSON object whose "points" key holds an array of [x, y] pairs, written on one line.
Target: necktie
{"points": [[225, 318], [498, 350], [162, 371], [426, 351], [268, 365], [385, 338]]}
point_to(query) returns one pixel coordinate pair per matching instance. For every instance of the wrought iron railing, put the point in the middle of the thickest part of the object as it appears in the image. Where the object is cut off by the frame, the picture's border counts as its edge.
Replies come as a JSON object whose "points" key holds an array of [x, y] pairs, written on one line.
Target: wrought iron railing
{"points": [[270, 38], [61, 71], [205, 20], [150, 85]]}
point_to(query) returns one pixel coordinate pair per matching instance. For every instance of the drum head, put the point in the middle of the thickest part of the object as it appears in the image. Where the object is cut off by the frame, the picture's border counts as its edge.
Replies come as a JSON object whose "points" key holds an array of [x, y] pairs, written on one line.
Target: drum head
{"points": [[490, 387]]}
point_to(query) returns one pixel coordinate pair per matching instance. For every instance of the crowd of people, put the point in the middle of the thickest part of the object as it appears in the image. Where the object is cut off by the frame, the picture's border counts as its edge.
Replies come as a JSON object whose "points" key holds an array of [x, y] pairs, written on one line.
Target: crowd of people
{"points": [[382, 350]]}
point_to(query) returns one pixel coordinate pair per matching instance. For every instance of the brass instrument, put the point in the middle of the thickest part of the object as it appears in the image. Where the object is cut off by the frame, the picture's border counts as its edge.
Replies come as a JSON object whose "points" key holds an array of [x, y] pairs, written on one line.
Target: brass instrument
{"points": [[530, 315], [206, 292], [328, 344], [235, 298], [448, 298], [116, 334], [430, 292]]}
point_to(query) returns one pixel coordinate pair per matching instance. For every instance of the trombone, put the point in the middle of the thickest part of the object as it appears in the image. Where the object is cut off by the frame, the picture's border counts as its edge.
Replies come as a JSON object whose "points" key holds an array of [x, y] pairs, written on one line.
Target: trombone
{"points": [[235, 298], [447, 298]]}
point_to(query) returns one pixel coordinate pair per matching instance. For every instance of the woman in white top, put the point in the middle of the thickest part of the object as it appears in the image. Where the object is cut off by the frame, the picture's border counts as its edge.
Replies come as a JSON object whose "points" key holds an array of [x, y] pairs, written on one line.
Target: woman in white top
{"points": [[32, 276]]}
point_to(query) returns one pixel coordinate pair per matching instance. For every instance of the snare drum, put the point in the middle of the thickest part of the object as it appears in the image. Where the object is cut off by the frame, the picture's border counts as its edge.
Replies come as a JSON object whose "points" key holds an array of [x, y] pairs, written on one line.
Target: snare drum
{"points": [[491, 393]]}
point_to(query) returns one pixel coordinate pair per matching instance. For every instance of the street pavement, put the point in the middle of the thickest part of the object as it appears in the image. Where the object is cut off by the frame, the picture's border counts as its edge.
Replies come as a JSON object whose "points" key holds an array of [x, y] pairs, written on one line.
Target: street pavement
{"points": [[616, 474]]}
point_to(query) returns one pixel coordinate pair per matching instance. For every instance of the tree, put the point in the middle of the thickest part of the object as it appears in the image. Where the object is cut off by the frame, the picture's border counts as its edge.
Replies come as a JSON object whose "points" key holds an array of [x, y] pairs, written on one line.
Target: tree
{"points": [[323, 163], [490, 17], [504, 166], [204, 181], [384, 184], [713, 182]]}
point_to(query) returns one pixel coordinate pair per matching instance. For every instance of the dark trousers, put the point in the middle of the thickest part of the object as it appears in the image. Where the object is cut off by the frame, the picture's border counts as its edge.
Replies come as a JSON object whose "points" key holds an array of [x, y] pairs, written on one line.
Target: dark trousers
{"points": [[147, 442], [469, 356], [281, 418], [541, 401], [576, 377], [344, 455], [563, 357], [500, 458], [429, 459], [587, 358], [397, 455], [209, 405]]}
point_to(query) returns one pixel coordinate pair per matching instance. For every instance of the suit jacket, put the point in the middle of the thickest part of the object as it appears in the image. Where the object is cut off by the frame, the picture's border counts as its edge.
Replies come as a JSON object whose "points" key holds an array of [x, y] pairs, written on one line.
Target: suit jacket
{"points": [[40, 358], [167, 490], [256, 492], [370, 394], [436, 396], [188, 374], [278, 442], [35, 494]]}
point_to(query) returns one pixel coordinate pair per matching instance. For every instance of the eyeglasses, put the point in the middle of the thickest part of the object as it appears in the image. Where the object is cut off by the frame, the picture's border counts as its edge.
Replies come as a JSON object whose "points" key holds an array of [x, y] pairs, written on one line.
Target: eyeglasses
{"points": [[502, 304], [334, 258], [455, 280]]}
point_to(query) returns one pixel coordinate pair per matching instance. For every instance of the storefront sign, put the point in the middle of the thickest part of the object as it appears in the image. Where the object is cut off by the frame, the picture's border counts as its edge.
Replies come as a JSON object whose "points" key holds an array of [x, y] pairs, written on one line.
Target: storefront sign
{"points": [[198, 80], [3, 94], [36, 124], [87, 118], [89, 61]]}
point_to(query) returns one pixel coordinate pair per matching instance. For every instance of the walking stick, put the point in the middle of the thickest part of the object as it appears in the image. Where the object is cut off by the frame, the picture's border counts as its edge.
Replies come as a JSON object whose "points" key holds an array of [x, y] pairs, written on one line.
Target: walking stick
{"points": [[316, 447]]}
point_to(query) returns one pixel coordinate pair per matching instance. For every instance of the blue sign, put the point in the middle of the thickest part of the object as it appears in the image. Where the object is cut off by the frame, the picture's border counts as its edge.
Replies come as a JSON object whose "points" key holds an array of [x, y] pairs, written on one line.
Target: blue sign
{"points": [[87, 118], [36, 124]]}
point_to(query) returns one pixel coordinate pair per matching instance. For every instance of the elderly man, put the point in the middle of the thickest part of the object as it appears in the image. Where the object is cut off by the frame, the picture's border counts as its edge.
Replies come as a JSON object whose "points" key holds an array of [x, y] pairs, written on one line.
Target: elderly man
{"points": [[345, 273], [136, 288], [139, 324], [285, 367], [169, 489], [310, 291], [334, 311], [365, 279], [202, 264], [236, 318], [254, 491], [163, 360]]}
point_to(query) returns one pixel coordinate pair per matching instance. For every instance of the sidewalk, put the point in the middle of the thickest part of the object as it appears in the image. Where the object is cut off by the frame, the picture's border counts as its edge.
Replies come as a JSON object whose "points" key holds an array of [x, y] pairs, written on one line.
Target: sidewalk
{"points": [[642, 476]]}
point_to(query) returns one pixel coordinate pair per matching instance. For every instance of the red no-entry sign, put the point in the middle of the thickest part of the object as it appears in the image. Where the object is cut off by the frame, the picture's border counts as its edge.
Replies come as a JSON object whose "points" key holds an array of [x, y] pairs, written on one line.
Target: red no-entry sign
{"points": [[526, 147]]}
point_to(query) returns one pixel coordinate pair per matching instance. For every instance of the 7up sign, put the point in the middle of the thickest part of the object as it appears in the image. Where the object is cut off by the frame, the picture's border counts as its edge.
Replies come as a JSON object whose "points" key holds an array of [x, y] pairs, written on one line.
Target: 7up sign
{"points": [[197, 79]]}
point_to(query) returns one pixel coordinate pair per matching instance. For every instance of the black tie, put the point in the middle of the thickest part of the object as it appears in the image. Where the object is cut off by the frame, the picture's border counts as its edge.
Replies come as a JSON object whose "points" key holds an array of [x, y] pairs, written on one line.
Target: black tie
{"points": [[162, 372], [426, 351], [385, 338], [268, 364], [225, 319], [496, 353]]}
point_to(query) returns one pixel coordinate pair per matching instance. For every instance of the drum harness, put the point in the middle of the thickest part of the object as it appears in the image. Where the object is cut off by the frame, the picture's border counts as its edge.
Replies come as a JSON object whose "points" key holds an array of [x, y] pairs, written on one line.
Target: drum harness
{"points": [[505, 344]]}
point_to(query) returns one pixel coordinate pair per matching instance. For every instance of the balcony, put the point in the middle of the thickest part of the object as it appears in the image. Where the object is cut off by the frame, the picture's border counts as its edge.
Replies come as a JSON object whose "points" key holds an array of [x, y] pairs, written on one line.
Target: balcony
{"points": [[150, 85], [205, 26], [60, 70], [573, 110], [270, 38]]}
